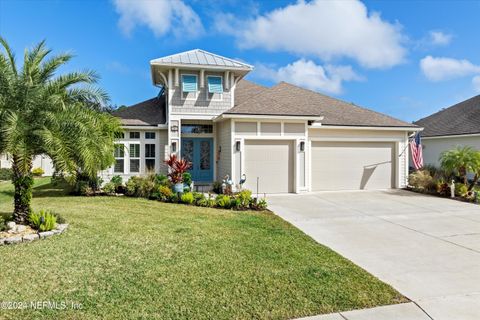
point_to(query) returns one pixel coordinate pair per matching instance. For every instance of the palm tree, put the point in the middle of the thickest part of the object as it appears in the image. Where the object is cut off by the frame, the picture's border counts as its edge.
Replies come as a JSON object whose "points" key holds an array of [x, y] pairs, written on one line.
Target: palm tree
{"points": [[57, 115], [461, 161]]}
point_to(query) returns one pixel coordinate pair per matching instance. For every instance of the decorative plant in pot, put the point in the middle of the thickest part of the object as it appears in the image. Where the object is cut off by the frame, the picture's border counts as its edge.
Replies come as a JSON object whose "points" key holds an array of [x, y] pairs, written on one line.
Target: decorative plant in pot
{"points": [[177, 167]]}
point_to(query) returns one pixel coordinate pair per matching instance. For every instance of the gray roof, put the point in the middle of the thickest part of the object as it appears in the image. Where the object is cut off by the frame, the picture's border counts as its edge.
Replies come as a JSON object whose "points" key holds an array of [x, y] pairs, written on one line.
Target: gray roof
{"points": [[285, 99], [150, 112], [461, 118], [245, 90], [201, 57]]}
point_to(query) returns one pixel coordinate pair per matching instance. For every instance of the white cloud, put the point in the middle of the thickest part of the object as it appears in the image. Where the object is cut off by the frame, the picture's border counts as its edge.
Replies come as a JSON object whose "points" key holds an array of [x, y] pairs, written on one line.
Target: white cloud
{"points": [[441, 68], [476, 83], [326, 29], [307, 74], [439, 38], [160, 16]]}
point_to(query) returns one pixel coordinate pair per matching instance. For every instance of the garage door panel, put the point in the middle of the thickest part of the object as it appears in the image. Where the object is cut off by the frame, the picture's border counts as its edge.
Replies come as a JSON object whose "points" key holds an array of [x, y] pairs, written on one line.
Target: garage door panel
{"points": [[272, 163], [352, 165]]}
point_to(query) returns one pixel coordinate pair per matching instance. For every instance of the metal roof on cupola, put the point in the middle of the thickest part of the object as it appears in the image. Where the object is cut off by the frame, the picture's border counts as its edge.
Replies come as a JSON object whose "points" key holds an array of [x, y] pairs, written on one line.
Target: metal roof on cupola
{"points": [[201, 58]]}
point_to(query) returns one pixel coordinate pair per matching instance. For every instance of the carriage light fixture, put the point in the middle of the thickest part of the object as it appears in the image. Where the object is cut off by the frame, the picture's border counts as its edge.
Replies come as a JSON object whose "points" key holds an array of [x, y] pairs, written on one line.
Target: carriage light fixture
{"points": [[237, 146], [302, 146], [174, 147]]}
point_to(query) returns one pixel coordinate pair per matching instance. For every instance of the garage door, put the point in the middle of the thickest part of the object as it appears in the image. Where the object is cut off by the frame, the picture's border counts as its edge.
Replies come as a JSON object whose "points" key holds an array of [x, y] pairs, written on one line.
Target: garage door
{"points": [[352, 165], [272, 163]]}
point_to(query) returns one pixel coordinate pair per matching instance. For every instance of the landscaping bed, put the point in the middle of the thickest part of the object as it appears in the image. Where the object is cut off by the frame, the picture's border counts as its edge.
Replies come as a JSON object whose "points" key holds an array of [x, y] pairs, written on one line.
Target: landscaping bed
{"points": [[126, 258]]}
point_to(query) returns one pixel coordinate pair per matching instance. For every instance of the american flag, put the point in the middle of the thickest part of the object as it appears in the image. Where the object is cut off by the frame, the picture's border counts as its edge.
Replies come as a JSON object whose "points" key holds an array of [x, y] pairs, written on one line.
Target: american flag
{"points": [[416, 149]]}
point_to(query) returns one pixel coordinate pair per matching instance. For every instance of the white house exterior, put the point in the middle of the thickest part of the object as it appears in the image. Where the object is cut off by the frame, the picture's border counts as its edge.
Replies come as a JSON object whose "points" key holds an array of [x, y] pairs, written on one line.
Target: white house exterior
{"points": [[40, 161], [284, 138], [458, 125]]}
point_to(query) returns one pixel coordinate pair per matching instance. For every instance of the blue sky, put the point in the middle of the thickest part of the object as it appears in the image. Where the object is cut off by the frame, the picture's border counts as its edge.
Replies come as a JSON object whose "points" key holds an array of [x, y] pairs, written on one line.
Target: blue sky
{"points": [[404, 58]]}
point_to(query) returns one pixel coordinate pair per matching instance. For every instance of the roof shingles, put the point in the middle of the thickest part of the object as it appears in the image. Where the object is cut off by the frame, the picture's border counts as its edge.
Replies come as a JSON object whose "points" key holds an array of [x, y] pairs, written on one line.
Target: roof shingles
{"points": [[461, 118], [286, 99], [150, 112]]}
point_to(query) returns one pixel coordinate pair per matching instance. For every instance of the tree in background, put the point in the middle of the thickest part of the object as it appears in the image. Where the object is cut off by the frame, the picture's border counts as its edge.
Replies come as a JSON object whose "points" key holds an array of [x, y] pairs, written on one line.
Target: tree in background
{"points": [[60, 115]]}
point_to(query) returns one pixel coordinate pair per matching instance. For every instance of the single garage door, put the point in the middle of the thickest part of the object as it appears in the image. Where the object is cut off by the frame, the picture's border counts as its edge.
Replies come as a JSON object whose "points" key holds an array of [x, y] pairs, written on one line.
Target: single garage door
{"points": [[352, 165], [270, 161]]}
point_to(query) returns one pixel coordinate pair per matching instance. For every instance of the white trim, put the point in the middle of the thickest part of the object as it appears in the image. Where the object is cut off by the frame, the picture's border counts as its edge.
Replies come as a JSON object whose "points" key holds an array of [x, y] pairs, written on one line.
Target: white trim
{"points": [[207, 93], [196, 66], [357, 139], [316, 126], [247, 116], [453, 136], [195, 116], [140, 127], [197, 93]]}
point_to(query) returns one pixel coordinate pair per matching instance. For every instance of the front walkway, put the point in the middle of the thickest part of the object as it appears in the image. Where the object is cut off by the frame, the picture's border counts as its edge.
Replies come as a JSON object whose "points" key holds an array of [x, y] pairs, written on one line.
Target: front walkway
{"points": [[427, 248]]}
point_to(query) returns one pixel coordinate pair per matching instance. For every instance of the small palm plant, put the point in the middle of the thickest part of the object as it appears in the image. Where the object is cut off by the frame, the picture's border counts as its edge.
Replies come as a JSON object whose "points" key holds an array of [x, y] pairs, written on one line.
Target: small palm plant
{"points": [[60, 115], [460, 161]]}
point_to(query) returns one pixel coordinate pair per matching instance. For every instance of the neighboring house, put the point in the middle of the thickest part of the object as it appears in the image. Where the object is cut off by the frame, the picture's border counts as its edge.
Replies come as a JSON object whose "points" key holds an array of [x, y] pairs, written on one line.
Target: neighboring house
{"points": [[458, 125], [286, 138], [42, 161]]}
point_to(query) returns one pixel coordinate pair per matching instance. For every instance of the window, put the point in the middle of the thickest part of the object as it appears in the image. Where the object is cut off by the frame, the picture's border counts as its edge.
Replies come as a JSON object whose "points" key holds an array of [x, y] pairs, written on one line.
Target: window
{"points": [[215, 87], [134, 135], [149, 135], [197, 128], [119, 153], [189, 86], [119, 135], [149, 157], [134, 157]]}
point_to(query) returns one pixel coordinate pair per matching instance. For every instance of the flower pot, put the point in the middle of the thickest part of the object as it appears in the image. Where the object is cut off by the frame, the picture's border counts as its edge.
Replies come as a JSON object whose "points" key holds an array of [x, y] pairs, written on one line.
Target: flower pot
{"points": [[178, 187]]}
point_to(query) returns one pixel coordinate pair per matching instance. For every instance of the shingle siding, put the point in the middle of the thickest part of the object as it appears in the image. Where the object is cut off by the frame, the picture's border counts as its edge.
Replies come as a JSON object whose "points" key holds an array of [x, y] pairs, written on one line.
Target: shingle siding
{"points": [[201, 104], [224, 142]]}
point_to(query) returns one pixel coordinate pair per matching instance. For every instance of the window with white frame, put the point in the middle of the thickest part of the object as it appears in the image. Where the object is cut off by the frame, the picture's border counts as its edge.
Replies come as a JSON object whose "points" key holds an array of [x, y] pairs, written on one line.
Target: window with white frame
{"points": [[119, 154], [214, 87], [149, 135], [134, 135], [150, 157], [134, 157], [189, 86]]}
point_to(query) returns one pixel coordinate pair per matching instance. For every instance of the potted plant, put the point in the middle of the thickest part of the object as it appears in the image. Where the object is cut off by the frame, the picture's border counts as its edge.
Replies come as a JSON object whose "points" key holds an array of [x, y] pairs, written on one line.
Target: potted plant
{"points": [[177, 167]]}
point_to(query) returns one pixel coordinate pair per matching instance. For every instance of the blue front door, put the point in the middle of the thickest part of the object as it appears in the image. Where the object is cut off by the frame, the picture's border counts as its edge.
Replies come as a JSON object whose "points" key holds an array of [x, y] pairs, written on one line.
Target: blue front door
{"points": [[199, 151]]}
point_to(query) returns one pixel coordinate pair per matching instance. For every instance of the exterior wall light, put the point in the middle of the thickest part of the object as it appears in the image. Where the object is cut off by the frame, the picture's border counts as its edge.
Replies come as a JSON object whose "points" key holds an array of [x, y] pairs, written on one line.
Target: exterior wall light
{"points": [[237, 146], [302, 146]]}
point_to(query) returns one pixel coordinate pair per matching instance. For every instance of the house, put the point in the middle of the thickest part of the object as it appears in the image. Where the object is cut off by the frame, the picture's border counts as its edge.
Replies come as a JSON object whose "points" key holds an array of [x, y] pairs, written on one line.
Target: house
{"points": [[283, 138], [40, 161], [458, 125]]}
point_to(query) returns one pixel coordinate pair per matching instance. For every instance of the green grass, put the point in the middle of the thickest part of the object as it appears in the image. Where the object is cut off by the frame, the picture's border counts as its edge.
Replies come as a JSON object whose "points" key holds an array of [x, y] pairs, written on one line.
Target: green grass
{"points": [[125, 258]]}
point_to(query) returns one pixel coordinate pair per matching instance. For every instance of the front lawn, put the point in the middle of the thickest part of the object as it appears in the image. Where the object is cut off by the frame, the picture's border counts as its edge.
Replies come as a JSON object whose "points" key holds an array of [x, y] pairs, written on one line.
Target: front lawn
{"points": [[129, 258]]}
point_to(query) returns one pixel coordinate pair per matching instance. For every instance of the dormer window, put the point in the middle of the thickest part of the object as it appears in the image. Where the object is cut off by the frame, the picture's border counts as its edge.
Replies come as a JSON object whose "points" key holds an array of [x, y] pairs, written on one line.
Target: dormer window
{"points": [[189, 86], [215, 87]]}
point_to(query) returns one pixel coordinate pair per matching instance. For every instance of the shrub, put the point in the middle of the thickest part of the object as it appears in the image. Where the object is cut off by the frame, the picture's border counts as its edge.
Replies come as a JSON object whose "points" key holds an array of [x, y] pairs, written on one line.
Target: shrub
{"points": [[142, 187], [42, 220], [198, 196], [262, 204], [60, 219], [3, 224], [422, 180], [161, 179], [460, 189], [109, 188], [442, 188], [177, 167], [85, 185], [163, 193], [243, 199], [173, 198], [187, 198], [117, 181], [187, 179], [5, 174], [223, 201], [38, 172], [217, 187]]}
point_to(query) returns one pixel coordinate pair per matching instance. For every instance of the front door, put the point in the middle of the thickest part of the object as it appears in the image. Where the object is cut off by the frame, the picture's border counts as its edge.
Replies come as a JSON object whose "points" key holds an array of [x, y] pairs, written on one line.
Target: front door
{"points": [[199, 151]]}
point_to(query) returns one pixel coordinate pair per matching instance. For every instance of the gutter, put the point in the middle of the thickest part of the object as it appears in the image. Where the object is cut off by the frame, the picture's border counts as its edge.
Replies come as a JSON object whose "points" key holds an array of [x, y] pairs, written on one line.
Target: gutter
{"points": [[325, 126], [267, 117]]}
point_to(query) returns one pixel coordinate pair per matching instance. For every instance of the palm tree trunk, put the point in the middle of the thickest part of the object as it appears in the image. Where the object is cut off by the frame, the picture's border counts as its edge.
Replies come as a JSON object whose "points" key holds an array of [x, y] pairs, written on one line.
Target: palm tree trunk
{"points": [[474, 182], [22, 180]]}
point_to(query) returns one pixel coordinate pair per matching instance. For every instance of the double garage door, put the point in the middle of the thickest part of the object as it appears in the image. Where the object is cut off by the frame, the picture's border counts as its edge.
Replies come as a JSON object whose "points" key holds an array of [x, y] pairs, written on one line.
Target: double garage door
{"points": [[334, 166], [352, 165]]}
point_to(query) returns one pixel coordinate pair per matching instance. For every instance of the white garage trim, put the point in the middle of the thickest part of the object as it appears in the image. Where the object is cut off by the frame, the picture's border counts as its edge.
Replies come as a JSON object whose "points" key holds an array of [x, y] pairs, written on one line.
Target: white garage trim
{"points": [[350, 159], [291, 163]]}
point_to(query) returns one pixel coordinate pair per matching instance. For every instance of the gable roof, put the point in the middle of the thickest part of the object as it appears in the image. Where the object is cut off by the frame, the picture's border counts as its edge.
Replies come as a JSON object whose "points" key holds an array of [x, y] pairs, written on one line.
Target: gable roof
{"points": [[461, 118], [201, 57], [150, 112], [286, 99]]}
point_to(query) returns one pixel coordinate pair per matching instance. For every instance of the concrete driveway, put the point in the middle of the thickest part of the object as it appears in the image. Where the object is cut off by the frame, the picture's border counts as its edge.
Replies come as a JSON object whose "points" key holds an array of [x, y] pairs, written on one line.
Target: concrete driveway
{"points": [[427, 248]]}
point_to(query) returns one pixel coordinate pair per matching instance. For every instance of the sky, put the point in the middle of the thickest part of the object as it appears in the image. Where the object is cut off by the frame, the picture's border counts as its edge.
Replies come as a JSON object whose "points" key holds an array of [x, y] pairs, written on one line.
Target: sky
{"points": [[407, 59]]}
